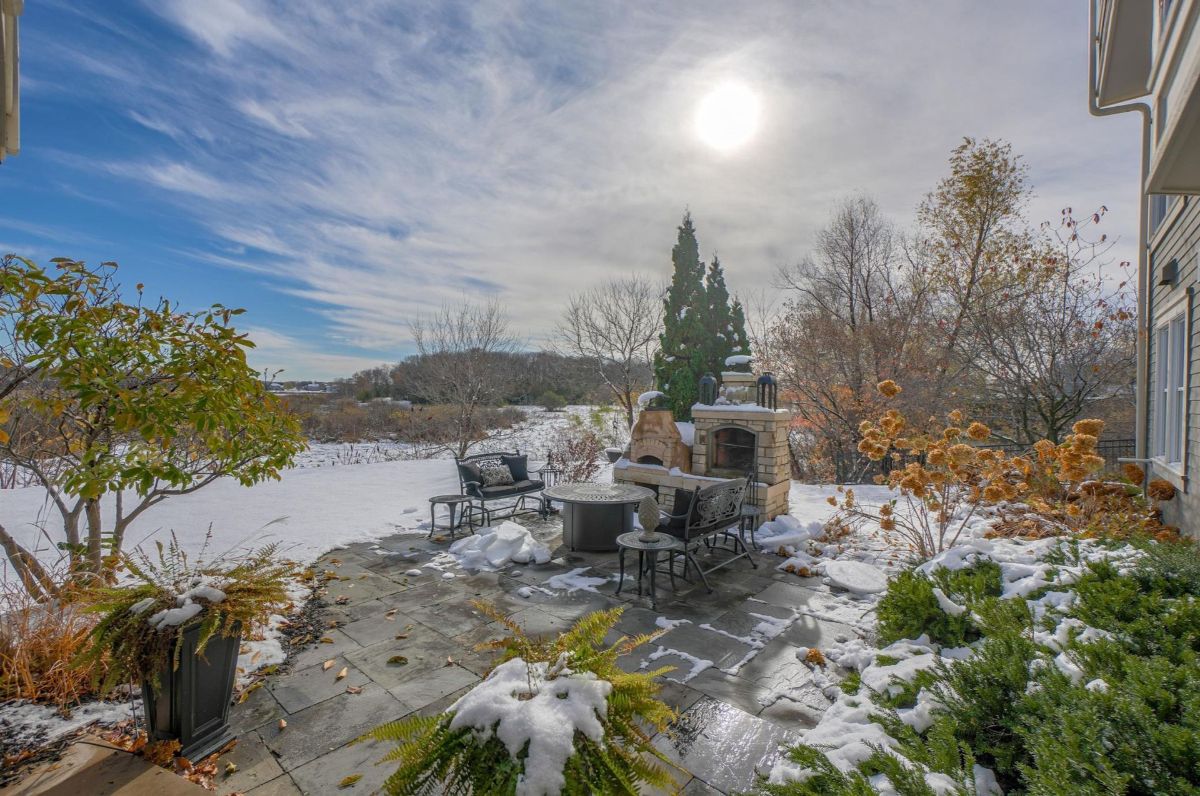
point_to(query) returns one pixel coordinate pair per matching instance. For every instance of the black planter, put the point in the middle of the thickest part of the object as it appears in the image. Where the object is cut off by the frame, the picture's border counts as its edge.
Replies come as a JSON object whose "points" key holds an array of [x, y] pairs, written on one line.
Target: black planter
{"points": [[192, 702]]}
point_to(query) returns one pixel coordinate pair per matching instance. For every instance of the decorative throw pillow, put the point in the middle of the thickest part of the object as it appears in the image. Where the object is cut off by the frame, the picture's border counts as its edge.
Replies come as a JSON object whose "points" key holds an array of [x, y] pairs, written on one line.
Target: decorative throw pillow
{"points": [[681, 506], [495, 473], [518, 466], [469, 471]]}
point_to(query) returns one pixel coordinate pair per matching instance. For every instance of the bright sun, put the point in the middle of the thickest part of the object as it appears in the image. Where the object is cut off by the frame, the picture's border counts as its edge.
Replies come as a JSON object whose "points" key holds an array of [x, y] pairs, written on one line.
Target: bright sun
{"points": [[727, 116]]}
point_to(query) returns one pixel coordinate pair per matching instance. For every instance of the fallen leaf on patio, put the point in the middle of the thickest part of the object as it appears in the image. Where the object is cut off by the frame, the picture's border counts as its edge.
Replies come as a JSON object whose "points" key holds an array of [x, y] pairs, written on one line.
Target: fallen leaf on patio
{"points": [[354, 689], [348, 782], [326, 640], [327, 665], [250, 689], [342, 600], [282, 724], [401, 636], [230, 768], [342, 674], [449, 661], [337, 562], [398, 660]]}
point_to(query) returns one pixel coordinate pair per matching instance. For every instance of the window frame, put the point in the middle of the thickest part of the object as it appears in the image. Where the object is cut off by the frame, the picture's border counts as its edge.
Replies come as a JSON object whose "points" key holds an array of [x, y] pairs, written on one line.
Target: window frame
{"points": [[1172, 366]]}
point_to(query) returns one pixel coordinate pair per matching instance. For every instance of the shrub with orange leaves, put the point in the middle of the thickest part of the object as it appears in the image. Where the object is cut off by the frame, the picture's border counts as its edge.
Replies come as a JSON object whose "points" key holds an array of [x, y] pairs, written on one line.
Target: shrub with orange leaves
{"points": [[1160, 489], [948, 480]]}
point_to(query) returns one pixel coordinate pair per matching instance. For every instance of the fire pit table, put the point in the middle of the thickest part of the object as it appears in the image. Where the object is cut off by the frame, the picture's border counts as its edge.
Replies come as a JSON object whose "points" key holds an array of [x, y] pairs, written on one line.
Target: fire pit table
{"points": [[594, 515]]}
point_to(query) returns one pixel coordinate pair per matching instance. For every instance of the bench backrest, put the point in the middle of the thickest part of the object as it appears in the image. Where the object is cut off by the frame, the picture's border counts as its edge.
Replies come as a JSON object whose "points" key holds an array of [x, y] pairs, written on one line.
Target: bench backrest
{"points": [[715, 508]]}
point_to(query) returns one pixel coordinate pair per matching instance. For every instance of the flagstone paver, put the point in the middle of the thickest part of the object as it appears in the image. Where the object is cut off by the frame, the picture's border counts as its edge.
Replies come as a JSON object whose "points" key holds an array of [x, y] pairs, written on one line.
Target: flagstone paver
{"points": [[730, 724]]}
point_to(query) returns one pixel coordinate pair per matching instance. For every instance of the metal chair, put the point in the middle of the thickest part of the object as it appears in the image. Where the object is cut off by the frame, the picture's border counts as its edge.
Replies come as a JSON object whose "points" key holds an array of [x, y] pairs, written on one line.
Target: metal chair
{"points": [[715, 512], [752, 513]]}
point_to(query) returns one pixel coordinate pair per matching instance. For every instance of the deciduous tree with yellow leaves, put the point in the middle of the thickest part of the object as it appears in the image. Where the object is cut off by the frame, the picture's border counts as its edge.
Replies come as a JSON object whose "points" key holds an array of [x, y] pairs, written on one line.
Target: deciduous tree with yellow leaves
{"points": [[114, 406]]}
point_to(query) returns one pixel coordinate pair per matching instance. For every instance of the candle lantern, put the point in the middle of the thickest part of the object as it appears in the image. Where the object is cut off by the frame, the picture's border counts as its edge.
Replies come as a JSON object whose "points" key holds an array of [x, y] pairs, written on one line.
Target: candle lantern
{"points": [[708, 389], [768, 391]]}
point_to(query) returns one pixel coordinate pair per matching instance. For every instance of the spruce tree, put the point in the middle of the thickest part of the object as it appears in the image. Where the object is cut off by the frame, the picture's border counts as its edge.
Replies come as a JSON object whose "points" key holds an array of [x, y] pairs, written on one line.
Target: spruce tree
{"points": [[718, 319], [741, 340], [682, 359]]}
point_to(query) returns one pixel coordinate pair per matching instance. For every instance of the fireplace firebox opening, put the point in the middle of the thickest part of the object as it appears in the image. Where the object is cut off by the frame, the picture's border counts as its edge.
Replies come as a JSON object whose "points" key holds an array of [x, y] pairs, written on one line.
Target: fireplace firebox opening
{"points": [[731, 451]]}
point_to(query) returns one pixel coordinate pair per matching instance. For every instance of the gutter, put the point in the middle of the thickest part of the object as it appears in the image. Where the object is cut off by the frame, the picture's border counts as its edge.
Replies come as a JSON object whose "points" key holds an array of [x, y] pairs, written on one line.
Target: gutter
{"points": [[1143, 270]]}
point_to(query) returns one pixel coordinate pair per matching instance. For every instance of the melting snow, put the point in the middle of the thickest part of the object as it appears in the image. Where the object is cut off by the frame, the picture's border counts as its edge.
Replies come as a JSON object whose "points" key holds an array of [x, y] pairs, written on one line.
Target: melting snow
{"points": [[574, 581]]}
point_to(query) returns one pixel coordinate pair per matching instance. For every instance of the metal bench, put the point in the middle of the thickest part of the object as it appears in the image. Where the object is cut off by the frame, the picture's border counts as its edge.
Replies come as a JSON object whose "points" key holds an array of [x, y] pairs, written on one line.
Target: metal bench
{"points": [[713, 519], [525, 488]]}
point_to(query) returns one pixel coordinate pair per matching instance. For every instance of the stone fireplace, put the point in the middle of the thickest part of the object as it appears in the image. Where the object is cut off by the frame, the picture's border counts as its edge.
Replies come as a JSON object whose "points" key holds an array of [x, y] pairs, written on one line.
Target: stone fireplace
{"points": [[731, 438]]}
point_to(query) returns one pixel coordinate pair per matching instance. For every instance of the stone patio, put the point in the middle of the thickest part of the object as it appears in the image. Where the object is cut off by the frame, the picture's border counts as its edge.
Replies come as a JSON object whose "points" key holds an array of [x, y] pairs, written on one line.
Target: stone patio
{"points": [[730, 725]]}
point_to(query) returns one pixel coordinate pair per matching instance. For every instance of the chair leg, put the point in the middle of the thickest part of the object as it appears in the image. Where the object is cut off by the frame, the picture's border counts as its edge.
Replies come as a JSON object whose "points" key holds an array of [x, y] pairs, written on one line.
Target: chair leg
{"points": [[703, 577], [621, 562], [741, 537]]}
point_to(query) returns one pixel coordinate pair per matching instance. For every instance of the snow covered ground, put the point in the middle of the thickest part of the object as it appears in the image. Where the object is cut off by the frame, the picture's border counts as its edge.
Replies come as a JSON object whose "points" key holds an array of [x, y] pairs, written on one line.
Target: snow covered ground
{"points": [[533, 435], [333, 497]]}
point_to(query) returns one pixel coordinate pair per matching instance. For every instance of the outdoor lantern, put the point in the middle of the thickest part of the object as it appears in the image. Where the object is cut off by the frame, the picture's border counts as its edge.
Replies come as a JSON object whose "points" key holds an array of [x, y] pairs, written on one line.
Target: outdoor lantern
{"points": [[767, 391], [708, 389]]}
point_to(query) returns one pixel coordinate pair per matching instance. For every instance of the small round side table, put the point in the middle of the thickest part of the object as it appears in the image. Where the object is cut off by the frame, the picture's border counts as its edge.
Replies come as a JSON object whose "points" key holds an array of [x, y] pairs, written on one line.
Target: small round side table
{"points": [[457, 506], [648, 559]]}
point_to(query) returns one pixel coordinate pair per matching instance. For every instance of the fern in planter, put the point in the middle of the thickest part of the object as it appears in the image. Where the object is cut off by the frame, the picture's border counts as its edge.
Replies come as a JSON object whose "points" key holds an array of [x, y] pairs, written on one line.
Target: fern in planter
{"points": [[555, 716], [145, 620]]}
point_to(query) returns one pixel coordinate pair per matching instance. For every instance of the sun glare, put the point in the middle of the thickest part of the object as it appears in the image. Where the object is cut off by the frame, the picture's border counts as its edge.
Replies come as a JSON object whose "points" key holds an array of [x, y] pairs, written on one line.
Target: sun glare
{"points": [[727, 117]]}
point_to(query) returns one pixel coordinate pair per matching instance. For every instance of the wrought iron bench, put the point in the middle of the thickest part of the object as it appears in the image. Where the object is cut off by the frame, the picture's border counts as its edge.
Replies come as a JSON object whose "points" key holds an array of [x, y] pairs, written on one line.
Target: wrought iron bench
{"points": [[714, 519], [524, 486]]}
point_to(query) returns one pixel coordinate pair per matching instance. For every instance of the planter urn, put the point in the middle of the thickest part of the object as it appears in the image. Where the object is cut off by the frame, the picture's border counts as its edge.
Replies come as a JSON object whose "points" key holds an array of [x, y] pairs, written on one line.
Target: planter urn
{"points": [[191, 704]]}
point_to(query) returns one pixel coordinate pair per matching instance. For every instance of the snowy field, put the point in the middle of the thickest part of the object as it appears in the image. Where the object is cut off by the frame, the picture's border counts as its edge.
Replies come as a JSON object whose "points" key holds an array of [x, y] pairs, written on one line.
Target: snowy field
{"points": [[335, 495], [534, 435]]}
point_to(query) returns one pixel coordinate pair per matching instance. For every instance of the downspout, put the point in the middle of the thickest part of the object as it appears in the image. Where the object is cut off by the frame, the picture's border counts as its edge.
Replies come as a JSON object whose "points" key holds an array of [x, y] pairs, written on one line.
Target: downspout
{"points": [[1143, 249]]}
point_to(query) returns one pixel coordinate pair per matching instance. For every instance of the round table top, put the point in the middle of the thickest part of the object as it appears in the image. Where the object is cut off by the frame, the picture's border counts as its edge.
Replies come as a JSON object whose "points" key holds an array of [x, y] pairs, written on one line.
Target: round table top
{"points": [[662, 541], [597, 493], [449, 499]]}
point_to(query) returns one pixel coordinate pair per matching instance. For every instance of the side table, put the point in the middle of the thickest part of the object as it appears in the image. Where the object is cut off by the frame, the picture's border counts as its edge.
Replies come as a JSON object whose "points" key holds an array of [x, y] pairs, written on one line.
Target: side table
{"points": [[457, 506], [648, 559]]}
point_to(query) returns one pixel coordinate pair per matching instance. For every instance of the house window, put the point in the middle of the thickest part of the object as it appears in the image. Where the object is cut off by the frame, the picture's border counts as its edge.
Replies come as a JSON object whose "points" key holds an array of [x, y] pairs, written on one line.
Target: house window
{"points": [[732, 451], [1160, 206], [1170, 389]]}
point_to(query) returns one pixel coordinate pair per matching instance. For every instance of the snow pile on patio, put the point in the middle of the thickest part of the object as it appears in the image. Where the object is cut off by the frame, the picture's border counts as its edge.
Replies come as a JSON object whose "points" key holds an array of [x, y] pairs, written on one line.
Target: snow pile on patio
{"points": [[495, 548], [788, 532], [539, 705]]}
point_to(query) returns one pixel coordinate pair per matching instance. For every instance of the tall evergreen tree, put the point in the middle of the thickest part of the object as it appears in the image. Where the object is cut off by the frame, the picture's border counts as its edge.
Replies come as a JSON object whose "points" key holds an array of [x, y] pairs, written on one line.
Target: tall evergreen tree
{"points": [[718, 319], [741, 340], [682, 358]]}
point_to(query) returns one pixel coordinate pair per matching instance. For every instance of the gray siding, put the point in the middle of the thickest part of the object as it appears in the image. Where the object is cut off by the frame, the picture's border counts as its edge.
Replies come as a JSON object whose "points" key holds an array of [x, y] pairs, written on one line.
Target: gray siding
{"points": [[1179, 242]]}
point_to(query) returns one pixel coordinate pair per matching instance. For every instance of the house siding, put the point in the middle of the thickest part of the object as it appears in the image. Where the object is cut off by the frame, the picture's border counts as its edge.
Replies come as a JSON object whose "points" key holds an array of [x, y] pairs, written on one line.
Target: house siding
{"points": [[1178, 240]]}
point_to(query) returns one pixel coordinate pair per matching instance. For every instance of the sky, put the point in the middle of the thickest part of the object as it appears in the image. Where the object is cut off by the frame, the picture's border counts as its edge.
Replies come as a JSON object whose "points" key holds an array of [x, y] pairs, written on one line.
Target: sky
{"points": [[341, 169]]}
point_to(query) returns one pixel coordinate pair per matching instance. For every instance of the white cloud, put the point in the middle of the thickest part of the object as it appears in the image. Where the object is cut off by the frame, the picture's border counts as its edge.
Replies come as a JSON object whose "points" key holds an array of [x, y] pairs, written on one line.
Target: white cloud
{"points": [[288, 359], [376, 161]]}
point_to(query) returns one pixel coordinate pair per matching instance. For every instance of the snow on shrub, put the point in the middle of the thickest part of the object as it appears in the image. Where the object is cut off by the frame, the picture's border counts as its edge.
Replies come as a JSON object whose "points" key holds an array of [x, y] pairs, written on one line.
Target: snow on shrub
{"points": [[555, 716]]}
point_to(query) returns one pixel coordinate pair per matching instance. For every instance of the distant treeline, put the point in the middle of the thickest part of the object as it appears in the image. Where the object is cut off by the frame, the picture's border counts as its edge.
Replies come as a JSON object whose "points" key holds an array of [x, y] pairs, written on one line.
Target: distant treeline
{"points": [[530, 376]]}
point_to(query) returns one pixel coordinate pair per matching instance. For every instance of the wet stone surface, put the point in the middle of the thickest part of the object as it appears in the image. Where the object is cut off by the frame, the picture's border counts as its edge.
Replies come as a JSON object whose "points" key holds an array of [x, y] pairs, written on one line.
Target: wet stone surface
{"points": [[409, 644]]}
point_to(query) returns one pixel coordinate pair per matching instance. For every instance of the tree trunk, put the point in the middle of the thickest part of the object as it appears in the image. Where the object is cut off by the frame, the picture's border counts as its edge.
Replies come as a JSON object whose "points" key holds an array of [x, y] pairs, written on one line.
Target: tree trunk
{"points": [[95, 538], [33, 575]]}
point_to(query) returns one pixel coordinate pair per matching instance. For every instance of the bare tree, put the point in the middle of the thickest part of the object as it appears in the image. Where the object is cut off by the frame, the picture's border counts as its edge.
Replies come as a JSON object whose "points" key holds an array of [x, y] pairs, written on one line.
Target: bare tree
{"points": [[1060, 345], [852, 318], [616, 326], [463, 357]]}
